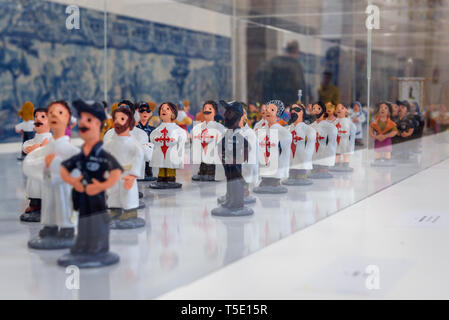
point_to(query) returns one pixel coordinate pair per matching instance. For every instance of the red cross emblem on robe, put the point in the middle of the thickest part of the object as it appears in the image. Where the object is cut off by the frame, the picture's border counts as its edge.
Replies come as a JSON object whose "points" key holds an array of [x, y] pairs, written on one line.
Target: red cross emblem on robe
{"points": [[202, 137], [317, 143], [164, 139], [267, 145], [339, 132], [295, 139]]}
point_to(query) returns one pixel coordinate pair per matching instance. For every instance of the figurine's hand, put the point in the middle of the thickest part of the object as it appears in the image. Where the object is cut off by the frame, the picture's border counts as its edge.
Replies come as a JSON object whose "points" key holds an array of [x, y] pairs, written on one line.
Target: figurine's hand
{"points": [[48, 159], [94, 188], [45, 142], [77, 185], [129, 182], [381, 137], [31, 148]]}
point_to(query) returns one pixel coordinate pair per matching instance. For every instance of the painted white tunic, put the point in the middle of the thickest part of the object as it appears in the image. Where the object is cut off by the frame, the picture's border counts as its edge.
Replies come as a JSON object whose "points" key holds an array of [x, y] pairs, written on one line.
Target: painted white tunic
{"points": [[344, 143], [33, 186], [274, 151], [56, 194], [262, 124], [326, 143], [205, 138], [130, 155], [250, 168], [302, 147], [169, 146]]}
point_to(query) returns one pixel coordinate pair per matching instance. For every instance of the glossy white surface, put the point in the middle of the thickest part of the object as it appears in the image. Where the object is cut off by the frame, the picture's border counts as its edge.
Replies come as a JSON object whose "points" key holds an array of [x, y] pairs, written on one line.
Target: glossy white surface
{"points": [[183, 243]]}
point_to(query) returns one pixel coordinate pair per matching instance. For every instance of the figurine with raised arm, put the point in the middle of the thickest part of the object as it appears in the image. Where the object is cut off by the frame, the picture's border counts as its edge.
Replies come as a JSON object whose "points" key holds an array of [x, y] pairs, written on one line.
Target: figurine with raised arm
{"points": [[169, 148], [302, 147], [345, 140], [33, 186], [123, 197], [44, 164], [233, 149], [99, 171], [325, 144], [274, 144], [205, 137]]}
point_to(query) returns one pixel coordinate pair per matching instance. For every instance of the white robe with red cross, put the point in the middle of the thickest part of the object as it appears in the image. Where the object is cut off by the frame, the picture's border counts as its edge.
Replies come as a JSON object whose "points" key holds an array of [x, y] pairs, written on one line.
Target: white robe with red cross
{"points": [[169, 146], [344, 130], [205, 139], [274, 151], [302, 146], [325, 144]]}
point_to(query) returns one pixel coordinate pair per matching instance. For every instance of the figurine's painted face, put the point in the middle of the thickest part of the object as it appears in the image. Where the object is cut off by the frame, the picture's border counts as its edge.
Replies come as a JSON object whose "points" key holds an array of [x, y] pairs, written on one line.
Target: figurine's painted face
{"points": [[166, 113], [145, 114], [41, 122], [316, 109], [297, 113], [270, 114], [402, 110], [395, 108], [330, 110], [121, 123], [383, 110], [243, 120], [341, 111], [58, 117], [89, 127], [356, 107], [252, 108], [209, 112]]}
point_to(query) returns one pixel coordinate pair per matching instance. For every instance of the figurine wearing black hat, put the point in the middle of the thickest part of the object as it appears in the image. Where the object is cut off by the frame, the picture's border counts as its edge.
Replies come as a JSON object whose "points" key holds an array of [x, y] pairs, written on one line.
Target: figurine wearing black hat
{"points": [[91, 248], [233, 149], [43, 164], [169, 148], [274, 151], [205, 137], [145, 114]]}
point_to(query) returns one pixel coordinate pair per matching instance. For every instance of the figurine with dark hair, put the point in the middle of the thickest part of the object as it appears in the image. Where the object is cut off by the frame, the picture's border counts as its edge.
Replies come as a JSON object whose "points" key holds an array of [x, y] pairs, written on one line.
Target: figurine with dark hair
{"points": [[205, 137], [26, 126], [44, 165], [33, 187], [274, 144], [169, 148], [99, 171], [144, 123], [325, 143], [382, 129], [233, 149], [123, 197], [302, 147]]}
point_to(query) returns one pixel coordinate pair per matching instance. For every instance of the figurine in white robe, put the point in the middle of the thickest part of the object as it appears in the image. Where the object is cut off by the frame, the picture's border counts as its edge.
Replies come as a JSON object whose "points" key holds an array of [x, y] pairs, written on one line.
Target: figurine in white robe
{"points": [[302, 147], [44, 165], [345, 140], [274, 151], [325, 144], [123, 197], [169, 148], [33, 186], [205, 137]]}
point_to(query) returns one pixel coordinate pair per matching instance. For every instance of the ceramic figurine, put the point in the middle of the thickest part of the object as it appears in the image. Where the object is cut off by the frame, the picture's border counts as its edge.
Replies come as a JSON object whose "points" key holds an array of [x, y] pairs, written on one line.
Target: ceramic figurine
{"points": [[98, 172], [382, 129], [44, 164], [302, 147], [169, 148], [205, 137], [33, 186], [325, 144], [345, 140], [274, 144], [26, 127], [145, 114], [233, 149], [358, 118], [262, 122], [123, 197]]}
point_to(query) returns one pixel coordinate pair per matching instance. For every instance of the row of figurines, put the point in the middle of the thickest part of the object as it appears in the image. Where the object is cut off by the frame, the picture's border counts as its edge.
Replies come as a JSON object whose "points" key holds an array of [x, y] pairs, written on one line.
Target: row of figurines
{"points": [[99, 180]]}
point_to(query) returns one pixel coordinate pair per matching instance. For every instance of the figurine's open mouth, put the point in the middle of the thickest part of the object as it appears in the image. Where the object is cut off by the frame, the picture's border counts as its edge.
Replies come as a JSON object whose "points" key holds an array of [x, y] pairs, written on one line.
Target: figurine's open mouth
{"points": [[38, 124], [207, 112], [83, 129]]}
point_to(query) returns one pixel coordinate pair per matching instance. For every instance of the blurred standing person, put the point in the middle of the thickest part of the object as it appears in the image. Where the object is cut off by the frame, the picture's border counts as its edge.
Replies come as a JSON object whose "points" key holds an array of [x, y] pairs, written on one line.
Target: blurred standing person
{"points": [[327, 92], [281, 77]]}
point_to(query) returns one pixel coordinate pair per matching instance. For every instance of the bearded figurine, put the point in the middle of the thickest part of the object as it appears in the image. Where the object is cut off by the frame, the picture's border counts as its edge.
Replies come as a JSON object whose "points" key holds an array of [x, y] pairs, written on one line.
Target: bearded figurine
{"points": [[302, 147], [123, 197], [169, 148]]}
